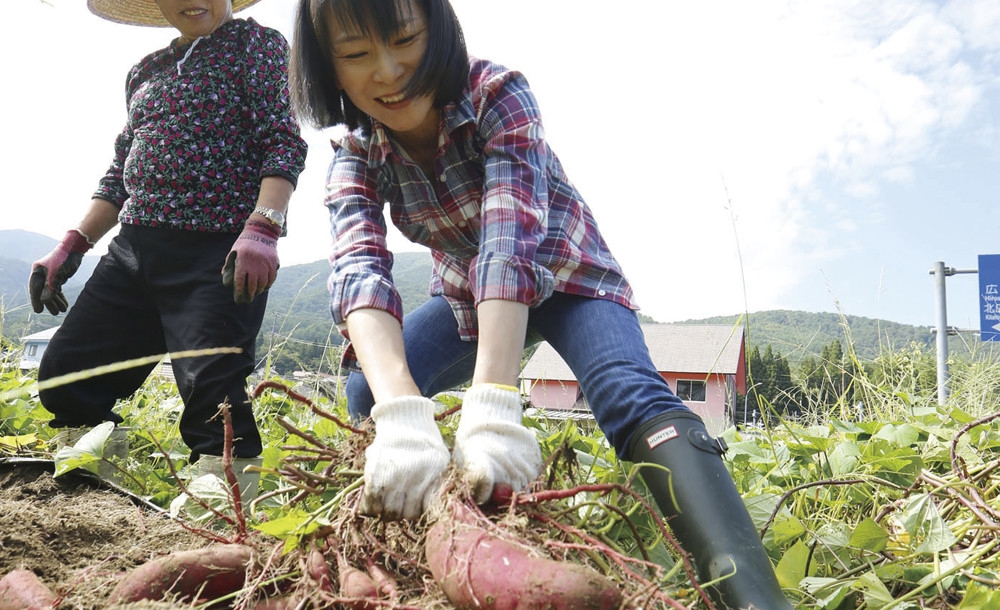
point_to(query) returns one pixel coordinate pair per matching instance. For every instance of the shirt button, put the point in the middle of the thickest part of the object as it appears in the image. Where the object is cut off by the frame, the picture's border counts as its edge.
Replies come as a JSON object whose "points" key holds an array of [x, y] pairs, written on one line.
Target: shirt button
{"points": [[461, 223], [602, 292], [444, 178]]}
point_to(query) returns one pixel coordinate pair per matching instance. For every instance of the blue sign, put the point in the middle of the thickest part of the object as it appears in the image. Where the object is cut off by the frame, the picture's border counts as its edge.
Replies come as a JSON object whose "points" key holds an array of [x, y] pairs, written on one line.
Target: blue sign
{"points": [[989, 297]]}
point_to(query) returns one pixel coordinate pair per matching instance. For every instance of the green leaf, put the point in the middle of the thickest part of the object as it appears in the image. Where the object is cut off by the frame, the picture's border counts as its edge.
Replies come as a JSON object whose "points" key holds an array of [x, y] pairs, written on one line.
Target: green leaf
{"points": [[208, 488], [844, 458], [291, 527], [86, 453], [870, 536], [922, 521], [980, 597], [792, 567], [875, 593], [19, 442], [787, 528], [760, 508], [900, 435], [829, 593]]}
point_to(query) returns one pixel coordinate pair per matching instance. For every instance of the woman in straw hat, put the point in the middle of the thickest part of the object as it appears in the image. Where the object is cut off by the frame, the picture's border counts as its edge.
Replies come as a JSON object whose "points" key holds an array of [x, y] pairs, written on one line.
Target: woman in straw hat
{"points": [[201, 178]]}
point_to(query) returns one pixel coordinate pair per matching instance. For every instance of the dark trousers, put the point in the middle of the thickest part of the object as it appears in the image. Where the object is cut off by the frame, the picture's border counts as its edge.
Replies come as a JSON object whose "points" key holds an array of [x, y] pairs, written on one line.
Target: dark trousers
{"points": [[157, 291]]}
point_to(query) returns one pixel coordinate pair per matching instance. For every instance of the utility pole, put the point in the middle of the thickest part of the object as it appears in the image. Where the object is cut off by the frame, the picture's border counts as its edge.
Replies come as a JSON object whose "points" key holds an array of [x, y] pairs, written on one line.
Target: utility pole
{"points": [[943, 331]]}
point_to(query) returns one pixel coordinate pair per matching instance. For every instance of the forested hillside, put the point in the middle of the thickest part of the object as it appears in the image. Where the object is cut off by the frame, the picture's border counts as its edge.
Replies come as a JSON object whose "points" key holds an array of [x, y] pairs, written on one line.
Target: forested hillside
{"points": [[799, 334], [298, 327]]}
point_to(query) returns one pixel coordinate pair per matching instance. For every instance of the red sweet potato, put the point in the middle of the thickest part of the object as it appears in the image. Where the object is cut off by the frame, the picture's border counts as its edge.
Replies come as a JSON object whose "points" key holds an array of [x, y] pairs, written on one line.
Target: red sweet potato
{"points": [[22, 590], [355, 584], [206, 573], [318, 571], [477, 569], [385, 583]]}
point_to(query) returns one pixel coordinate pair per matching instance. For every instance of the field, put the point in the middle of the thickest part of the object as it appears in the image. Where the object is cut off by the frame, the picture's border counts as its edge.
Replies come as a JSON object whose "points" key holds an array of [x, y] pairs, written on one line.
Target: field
{"points": [[894, 505]]}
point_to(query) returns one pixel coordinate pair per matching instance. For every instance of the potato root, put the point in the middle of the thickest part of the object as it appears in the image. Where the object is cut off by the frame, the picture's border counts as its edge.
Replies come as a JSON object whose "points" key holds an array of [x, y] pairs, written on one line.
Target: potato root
{"points": [[477, 569], [206, 573], [22, 590]]}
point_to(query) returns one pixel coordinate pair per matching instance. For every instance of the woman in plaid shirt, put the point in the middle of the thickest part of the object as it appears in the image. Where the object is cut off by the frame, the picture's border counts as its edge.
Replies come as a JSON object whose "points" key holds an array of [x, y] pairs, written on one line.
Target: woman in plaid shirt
{"points": [[455, 146]]}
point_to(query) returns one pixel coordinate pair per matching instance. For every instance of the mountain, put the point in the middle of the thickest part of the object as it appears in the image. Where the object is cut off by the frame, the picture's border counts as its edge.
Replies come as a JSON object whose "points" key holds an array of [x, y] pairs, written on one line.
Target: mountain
{"points": [[299, 308], [18, 250], [799, 334]]}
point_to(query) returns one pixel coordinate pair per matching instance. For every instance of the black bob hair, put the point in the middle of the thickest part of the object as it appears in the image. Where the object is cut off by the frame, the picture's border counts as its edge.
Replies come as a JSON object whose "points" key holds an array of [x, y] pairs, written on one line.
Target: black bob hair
{"points": [[318, 101]]}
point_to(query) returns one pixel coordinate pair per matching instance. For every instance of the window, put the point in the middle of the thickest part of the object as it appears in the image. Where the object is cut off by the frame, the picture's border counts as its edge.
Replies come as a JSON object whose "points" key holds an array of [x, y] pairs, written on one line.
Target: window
{"points": [[691, 391], [32, 349]]}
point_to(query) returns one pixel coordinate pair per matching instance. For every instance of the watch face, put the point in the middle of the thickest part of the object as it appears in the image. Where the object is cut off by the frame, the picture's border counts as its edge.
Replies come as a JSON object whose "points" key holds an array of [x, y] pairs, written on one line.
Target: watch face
{"points": [[273, 215]]}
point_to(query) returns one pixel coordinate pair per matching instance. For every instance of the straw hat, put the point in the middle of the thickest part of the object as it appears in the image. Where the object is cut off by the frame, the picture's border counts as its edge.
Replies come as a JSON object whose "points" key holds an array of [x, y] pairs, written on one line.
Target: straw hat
{"points": [[141, 12]]}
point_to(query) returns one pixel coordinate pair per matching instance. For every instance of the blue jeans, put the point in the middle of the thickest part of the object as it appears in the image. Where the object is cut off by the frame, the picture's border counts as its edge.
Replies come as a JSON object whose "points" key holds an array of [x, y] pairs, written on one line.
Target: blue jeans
{"points": [[600, 340]]}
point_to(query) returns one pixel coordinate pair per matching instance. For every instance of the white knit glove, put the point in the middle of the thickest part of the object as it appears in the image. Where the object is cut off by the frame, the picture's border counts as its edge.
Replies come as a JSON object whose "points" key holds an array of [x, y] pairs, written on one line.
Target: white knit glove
{"points": [[491, 444], [406, 462]]}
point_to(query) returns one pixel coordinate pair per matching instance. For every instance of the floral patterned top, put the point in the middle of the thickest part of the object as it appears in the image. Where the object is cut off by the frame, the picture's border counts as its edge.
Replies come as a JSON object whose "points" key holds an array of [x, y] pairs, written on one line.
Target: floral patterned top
{"points": [[206, 122]]}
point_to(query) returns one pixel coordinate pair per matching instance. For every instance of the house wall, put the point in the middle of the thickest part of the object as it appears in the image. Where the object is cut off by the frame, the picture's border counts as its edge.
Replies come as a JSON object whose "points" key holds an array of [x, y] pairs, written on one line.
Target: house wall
{"points": [[548, 394], [713, 410], [551, 394], [32, 354]]}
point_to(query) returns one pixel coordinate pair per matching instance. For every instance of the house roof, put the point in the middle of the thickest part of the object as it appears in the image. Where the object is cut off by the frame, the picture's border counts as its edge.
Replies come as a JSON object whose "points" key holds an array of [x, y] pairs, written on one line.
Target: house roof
{"points": [[675, 348], [42, 335]]}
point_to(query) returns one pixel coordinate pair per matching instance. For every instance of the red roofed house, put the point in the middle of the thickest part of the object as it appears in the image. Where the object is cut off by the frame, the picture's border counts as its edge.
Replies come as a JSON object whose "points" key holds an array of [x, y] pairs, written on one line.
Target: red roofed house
{"points": [[704, 364]]}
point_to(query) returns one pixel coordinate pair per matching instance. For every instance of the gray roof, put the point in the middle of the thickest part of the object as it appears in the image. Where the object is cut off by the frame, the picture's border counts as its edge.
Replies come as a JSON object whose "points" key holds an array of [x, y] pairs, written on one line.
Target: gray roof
{"points": [[674, 348], [42, 335]]}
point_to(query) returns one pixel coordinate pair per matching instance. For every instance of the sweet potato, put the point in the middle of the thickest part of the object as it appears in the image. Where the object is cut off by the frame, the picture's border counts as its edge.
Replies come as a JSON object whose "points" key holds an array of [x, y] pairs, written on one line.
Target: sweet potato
{"points": [[318, 571], [477, 569], [385, 583], [355, 584], [206, 573], [22, 590]]}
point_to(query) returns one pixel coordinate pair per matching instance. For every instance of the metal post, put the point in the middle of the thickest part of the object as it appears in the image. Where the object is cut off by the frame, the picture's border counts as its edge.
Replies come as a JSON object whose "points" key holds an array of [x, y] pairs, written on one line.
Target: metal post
{"points": [[941, 315], [940, 272]]}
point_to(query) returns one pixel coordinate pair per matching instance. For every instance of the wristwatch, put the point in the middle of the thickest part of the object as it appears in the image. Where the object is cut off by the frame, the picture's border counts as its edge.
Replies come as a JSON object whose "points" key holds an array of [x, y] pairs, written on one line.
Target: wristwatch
{"points": [[274, 216]]}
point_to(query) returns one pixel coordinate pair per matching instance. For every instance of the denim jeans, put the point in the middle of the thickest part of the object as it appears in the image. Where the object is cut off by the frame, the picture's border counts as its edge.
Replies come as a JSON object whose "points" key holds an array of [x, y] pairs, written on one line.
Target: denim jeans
{"points": [[600, 340]]}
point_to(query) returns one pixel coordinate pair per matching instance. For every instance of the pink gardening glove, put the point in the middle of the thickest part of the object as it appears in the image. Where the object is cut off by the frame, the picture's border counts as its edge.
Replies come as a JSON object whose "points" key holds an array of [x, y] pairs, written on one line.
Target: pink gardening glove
{"points": [[48, 274], [492, 446], [252, 264]]}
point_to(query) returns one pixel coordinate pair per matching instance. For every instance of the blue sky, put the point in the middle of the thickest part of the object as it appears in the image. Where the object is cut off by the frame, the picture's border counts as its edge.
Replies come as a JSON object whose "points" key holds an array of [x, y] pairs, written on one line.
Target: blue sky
{"points": [[816, 155]]}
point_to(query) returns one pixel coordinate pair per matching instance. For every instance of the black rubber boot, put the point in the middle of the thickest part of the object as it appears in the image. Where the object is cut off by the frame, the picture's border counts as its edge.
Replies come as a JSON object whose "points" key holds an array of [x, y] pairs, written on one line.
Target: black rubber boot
{"points": [[705, 512]]}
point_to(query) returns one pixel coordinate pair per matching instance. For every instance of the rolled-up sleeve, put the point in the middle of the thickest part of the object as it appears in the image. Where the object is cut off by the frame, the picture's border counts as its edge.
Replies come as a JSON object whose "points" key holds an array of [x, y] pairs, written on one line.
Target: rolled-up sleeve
{"points": [[361, 263], [515, 196]]}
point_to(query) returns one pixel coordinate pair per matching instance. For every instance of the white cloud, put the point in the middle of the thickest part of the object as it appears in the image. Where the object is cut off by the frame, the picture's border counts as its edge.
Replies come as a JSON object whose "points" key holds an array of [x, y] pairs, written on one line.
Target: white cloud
{"points": [[717, 142]]}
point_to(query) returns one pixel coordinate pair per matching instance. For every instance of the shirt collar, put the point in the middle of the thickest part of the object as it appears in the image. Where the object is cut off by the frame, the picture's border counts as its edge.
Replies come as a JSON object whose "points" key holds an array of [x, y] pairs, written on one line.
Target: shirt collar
{"points": [[453, 116]]}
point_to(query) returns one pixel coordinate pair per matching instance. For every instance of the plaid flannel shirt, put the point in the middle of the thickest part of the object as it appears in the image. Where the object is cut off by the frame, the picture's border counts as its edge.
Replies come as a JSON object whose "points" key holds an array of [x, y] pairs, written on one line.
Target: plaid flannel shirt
{"points": [[499, 215]]}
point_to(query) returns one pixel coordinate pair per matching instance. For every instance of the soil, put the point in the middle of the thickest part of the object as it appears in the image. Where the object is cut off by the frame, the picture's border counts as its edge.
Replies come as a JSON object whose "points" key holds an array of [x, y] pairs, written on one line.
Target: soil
{"points": [[80, 535]]}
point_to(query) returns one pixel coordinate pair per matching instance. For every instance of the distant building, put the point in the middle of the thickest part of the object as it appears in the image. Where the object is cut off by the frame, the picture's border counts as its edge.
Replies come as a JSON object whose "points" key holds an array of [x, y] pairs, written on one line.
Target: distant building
{"points": [[34, 347], [704, 364]]}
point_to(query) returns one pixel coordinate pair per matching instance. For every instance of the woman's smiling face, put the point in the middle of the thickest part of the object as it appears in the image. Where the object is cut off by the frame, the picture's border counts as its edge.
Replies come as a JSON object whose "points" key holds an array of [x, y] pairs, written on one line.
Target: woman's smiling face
{"points": [[373, 73], [195, 18]]}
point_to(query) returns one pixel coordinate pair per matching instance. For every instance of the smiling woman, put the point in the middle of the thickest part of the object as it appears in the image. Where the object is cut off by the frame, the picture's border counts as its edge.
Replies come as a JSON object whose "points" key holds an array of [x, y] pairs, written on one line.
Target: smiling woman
{"points": [[130, 12], [454, 144], [201, 176]]}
